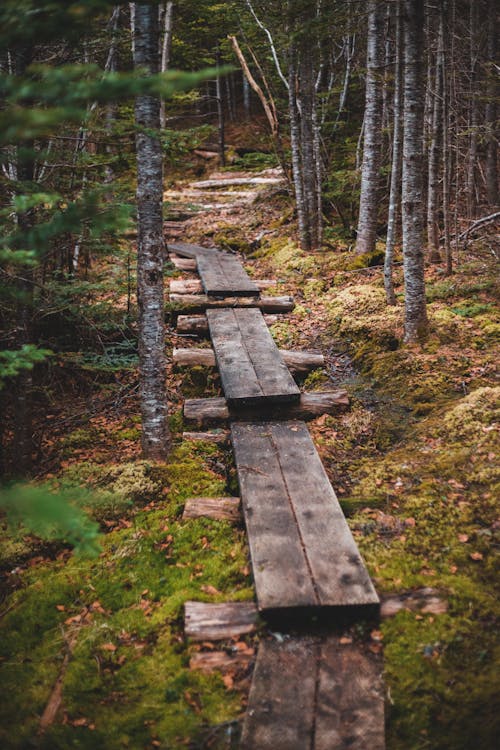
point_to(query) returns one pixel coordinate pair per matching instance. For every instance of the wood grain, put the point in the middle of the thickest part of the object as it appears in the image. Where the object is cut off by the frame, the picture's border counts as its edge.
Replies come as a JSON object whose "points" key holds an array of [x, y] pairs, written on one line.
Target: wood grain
{"points": [[214, 622], [218, 508], [250, 365]]}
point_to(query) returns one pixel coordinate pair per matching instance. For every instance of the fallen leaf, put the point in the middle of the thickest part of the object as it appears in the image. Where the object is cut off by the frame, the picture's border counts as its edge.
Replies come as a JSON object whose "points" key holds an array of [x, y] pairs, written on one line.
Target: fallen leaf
{"points": [[476, 556], [108, 647], [61, 607], [210, 590], [463, 538]]}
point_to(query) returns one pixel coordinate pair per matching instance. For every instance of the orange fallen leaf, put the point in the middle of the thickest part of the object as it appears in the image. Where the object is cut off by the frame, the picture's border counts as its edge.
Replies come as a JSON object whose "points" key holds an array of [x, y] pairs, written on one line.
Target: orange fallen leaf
{"points": [[476, 556], [108, 647], [463, 538]]}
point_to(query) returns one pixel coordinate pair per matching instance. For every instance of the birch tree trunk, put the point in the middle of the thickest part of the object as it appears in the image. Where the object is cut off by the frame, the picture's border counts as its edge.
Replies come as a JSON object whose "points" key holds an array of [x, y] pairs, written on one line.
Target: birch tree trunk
{"points": [[474, 113], [166, 46], [306, 89], [436, 132], [150, 244], [491, 108], [395, 190], [370, 177], [304, 237], [416, 323]]}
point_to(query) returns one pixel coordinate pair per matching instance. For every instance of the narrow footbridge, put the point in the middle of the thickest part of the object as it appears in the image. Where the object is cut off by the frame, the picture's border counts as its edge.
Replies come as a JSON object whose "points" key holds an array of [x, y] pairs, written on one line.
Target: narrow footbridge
{"points": [[309, 690]]}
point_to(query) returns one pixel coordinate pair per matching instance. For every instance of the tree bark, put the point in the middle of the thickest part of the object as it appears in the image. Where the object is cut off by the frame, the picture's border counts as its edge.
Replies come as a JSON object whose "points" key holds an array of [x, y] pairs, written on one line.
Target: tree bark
{"points": [[416, 323], [395, 190], [474, 112], [434, 161], [166, 48], [150, 244], [370, 170], [304, 236], [491, 108]]}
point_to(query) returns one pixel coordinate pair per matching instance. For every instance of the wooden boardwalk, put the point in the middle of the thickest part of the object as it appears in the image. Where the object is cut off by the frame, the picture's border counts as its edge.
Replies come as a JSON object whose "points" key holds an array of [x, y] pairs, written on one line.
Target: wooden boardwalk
{"points": [[250, 365], [303, 555], [315, 692]]}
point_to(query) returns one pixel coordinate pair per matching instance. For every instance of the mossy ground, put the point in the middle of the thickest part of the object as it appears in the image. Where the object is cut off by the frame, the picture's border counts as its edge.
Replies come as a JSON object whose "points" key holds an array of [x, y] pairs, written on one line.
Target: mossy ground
{"points": [[413, 462]]}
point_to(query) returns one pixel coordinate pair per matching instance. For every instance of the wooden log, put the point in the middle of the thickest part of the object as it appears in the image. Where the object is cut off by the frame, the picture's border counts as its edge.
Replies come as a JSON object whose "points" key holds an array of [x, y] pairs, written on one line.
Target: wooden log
{"points": [[299, 362], [198, 324], [194, 286], [183, 264], [217, 622], [311, 405], [219, 437], [218, 508], [235, 182], [201, 302]]}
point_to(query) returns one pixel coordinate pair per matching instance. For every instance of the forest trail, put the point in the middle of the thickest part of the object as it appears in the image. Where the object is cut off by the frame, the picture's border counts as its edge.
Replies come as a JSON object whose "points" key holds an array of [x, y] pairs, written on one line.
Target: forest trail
{"points": [[305, 562]]}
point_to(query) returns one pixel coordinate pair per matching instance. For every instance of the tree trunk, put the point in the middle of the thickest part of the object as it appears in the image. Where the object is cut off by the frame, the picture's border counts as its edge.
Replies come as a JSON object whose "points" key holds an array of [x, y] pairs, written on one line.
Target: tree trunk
{"points": [[370, 171], [304, 237], [474, 112], [395, 190], [150, 244], [491, 108], [436, 132], [166, 48], [220, 111], [416, 323], [306, 94], [446, 143]]}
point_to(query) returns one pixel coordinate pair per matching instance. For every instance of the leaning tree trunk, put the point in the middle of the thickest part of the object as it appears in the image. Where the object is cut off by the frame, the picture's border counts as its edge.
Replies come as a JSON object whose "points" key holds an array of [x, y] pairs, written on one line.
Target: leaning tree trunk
{"points": [[370, 177], [150, 244], [395, 191], [416, 323]]}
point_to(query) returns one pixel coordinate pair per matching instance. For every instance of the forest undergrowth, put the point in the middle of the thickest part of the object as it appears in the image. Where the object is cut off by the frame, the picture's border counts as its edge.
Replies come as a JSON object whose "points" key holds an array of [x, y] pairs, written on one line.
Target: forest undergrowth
{"points": [[99, 640]]}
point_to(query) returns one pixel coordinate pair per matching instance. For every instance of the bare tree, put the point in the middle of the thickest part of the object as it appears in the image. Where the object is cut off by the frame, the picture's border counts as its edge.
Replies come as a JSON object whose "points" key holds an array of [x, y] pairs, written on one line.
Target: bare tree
{"points": [[491, 108], [416, 323], [370, 177], [395, 190], [150, 242]]}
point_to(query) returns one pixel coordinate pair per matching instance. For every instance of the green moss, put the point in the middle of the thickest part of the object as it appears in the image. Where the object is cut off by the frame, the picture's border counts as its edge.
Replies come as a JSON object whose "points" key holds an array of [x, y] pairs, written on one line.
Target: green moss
{"points": [[128, 681]]}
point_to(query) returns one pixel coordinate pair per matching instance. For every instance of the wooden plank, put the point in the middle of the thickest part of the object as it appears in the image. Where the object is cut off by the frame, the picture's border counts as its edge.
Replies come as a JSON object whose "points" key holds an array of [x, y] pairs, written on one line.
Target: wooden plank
{"points": [[219, 437], [218, 508], [198, 324], [188, 250], [350, 702], [280, 569], [222, 661], [315, 693], [194, 286], [280, 470], [280, 713], [183, 264], [338, 571], [204, 411], [216, 622], [223, 275], [201, 302], [250, 365]]}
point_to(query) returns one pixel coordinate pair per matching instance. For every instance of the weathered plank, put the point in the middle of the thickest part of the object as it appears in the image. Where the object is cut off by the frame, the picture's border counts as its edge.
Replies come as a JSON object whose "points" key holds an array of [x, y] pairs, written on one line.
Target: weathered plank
{"points": [[194, 286], [317, 694], [222, 661], [250, 366], [303, 515], [188, 250], [280, 712], [222, 275], [296, 361], [215, 622], [219, 508], [198, 324], [201, 302], [350, 699], [204, 411]]}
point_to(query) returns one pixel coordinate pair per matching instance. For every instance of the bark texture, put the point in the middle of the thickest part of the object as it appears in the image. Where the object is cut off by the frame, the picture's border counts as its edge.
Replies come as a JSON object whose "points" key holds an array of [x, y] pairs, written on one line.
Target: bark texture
{"points": [[150, 243], [395, 190], [491, 108], [370, 170], [412, 183]]}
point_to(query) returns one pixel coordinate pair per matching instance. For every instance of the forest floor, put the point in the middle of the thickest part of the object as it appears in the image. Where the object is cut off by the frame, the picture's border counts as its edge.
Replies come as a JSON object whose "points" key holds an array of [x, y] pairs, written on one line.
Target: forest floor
{"points": [[92, 650]]}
